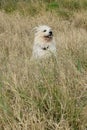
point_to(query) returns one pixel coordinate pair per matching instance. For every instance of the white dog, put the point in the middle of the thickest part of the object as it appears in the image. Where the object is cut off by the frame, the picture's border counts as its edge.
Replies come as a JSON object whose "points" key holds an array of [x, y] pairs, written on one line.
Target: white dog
{"points": [[44, 43]]}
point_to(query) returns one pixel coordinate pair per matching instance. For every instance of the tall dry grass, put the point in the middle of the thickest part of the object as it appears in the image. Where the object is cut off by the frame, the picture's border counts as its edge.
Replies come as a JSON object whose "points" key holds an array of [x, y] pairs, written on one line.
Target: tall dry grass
{"points": [[64, 8], [49, 95]]}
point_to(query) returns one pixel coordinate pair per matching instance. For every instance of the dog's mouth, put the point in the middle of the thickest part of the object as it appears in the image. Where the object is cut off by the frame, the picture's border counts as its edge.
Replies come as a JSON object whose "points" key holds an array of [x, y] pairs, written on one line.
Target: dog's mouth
{"points": [[48, 36]]}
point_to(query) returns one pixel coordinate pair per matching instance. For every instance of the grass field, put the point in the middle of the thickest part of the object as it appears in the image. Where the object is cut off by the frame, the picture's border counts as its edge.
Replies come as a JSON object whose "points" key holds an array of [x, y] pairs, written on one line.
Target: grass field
{"points": [[46, 95]]}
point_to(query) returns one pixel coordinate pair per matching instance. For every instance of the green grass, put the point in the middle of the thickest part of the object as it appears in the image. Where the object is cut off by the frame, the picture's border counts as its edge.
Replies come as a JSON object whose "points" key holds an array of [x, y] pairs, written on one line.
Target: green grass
{"points": [[64, 8]]}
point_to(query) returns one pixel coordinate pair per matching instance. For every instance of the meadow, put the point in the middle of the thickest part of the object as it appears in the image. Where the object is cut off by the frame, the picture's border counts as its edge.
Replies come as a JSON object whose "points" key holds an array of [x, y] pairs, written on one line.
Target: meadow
{"points": [[48, 95]]}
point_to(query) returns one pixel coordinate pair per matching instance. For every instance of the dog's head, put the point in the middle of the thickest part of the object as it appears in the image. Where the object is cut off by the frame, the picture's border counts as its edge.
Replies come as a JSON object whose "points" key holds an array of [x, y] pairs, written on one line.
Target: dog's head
{"points": [[44, 32]]}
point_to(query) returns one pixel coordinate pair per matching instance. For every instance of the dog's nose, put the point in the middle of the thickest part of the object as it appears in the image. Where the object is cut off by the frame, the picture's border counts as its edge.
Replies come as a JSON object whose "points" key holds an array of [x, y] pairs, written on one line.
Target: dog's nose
{"points": [[50, 32]]}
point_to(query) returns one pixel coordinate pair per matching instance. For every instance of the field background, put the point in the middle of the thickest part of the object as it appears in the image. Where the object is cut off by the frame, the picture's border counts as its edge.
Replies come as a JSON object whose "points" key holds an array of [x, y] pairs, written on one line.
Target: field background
{"points": [[49, 95]]}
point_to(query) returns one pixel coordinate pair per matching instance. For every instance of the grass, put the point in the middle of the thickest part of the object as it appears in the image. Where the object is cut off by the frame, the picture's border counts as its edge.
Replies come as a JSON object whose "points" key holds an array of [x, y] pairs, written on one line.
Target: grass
{"points": [[49, 95], [64, 8]]}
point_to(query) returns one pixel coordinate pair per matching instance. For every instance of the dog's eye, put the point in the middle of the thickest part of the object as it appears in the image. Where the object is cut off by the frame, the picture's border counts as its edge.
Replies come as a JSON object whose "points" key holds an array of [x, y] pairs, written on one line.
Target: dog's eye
{"points": [[44, 30]]}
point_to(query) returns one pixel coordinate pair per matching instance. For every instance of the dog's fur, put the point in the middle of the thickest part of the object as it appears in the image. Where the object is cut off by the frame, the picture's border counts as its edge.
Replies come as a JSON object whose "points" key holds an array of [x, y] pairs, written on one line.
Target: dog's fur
{"points": [[44, 43]]}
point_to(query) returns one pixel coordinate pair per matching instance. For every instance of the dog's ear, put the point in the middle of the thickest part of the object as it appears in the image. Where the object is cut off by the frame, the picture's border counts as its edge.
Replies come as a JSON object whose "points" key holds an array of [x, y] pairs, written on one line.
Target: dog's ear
{"points": [[35, 29]]}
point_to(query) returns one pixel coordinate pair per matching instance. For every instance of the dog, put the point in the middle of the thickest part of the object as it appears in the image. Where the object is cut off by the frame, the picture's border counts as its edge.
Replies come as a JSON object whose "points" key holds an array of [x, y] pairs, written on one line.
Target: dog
{"points": [[44, 43]]}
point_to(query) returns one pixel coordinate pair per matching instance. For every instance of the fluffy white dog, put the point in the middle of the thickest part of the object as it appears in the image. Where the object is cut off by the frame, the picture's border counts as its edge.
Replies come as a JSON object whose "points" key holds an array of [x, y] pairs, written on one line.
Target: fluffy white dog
{"points": [[44, 43]]}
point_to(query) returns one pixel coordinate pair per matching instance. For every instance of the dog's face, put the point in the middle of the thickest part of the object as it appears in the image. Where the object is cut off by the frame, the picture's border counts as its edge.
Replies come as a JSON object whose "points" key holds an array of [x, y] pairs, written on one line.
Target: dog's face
{"points": [[44, 32]]}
